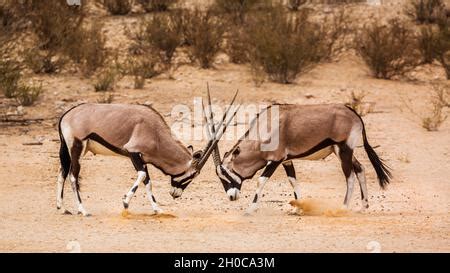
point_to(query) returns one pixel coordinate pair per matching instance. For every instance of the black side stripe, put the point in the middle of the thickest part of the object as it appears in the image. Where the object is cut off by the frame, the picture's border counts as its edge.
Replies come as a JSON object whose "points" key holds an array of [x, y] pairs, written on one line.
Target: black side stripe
{"points": [[95, 137]]}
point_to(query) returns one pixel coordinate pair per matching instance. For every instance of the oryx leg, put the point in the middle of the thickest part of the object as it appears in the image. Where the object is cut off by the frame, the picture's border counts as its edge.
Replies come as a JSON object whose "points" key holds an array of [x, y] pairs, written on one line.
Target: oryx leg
{"points": [[76, 151], [360, 174], [345, 154], [143, 177], [290, 172], [267, 173]]}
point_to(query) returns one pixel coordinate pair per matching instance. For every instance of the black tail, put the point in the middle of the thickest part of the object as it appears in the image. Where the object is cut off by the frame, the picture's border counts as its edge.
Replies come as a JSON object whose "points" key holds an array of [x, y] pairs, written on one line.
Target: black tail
{"points": [[383, 171], [64, 155]]}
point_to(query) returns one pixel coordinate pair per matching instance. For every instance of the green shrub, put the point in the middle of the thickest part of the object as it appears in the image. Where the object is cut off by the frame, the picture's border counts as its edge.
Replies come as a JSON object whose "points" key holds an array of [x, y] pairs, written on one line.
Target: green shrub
{"points": [[106, 81], [9, 78], [27, 95]]}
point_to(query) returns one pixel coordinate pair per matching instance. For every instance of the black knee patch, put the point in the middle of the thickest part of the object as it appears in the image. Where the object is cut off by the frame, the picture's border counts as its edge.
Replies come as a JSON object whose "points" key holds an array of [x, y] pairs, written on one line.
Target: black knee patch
{"points": [[153, 198], [295, 195]]}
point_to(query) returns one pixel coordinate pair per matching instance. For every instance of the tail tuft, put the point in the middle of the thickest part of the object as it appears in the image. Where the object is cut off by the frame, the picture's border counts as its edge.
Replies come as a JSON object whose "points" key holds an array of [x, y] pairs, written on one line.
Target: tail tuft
{"points": [[383, 171]]}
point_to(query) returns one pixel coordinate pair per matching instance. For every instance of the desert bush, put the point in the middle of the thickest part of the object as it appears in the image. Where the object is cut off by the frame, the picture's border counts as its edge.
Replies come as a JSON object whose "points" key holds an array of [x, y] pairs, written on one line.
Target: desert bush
{"points": [[118, 7], [204, 32], [106, 80], [27, 95], [284, 46], [425, 11], [53, 21], [90, 51], [142, 68], [358, 103], [237, 9], [434, 44], [163, 34], [427, 43], [157, 5], [294, 5], [107, 97], [9, 77], [438, 103], [237, 46], [389, 50]]}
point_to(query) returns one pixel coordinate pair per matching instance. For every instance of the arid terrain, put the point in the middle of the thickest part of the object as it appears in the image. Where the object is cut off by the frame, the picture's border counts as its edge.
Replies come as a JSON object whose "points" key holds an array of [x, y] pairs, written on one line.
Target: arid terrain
{"points": [[411, 215]]}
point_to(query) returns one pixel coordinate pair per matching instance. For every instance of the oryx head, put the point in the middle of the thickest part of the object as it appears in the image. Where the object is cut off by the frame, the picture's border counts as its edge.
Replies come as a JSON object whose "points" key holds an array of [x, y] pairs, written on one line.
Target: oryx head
{"points": [[199, 158], [231, 181], [237, 165], [181, 181]]}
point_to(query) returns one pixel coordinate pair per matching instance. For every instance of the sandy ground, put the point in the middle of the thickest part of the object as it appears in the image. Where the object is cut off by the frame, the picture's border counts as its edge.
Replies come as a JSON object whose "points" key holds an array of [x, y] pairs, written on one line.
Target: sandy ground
{"points": [[412, 215]]}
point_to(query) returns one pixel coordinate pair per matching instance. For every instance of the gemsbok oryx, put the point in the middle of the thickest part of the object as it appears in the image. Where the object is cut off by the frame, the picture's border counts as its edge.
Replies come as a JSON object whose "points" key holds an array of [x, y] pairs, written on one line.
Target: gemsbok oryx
{"points": [[135, 131], [309, 132]]}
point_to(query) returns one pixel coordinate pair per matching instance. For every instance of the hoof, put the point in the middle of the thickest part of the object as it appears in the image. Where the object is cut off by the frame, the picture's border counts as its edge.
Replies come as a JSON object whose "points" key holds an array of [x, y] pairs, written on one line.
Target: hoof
{"points": [[158, 211], [297, 211], [63, 211], [125, 205], [85, 214]]}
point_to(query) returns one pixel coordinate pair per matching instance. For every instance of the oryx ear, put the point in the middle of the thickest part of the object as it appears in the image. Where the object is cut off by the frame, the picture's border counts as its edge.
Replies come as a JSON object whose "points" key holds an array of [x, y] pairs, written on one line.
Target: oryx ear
{"points": [[197, 155], [190, 148]]}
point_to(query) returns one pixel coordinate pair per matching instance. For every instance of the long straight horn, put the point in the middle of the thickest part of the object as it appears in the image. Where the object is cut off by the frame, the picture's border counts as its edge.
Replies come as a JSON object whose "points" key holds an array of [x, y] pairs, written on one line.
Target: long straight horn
{"points": [[216, 138], [216, 152]]}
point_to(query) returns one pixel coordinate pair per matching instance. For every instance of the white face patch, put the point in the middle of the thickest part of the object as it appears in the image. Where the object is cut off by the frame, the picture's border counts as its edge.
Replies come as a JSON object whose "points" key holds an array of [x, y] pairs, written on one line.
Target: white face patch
{"points": [[184, 176], [233, 193], [176, 192]]}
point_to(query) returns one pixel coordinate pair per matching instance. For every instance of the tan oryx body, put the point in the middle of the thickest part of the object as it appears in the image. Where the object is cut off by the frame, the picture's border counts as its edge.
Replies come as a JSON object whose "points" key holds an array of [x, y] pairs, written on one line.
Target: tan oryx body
{"points": [[310, 132], [134, 131]]}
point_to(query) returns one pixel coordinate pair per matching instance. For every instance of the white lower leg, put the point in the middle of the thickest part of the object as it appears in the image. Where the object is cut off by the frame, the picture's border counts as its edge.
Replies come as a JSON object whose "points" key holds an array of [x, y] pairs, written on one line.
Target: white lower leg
{"points": [[59, 193], [364, 194], [132, 191], [296, 186], [350, 185], [150, 197], [77, 196], [254, 205]]}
